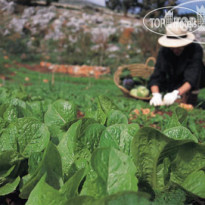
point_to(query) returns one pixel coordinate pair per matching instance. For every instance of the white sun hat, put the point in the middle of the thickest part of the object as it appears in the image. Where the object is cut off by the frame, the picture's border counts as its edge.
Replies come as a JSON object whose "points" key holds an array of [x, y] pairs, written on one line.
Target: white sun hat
{"points": [[176, 36]]}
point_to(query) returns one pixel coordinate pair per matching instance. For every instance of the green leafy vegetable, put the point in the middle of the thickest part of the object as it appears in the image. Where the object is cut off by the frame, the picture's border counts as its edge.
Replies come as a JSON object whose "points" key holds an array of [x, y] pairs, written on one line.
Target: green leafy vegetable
{"points": [[9, 187], [118, 136], [50, 165], [58, 114], [115, 172], [25, 136]]}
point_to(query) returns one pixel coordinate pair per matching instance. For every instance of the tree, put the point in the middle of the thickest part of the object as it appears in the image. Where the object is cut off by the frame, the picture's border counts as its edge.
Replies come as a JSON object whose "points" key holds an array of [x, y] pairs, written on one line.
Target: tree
{"points": [[114, 4], [120, 5], [29, 2], [128, 4], [144, 6]]}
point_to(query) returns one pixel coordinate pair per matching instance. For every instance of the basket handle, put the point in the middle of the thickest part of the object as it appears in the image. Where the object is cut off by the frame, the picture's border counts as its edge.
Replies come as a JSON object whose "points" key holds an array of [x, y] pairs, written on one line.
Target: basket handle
{"points": [[150, 59]]}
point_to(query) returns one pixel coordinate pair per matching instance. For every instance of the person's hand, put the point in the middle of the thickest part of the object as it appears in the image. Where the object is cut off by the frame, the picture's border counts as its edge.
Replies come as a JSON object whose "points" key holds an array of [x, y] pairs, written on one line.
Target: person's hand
{"points": [[170, 98], [156, 99]]}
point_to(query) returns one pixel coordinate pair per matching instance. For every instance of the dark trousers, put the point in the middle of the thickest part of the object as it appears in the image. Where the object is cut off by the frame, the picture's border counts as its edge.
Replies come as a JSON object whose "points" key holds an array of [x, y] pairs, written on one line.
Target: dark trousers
{"points": [[189, 97]]}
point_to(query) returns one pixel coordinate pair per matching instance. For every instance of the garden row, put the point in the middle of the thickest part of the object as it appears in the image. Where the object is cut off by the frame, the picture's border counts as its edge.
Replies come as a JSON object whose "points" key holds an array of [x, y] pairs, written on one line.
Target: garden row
{"points": [[51, 156]]}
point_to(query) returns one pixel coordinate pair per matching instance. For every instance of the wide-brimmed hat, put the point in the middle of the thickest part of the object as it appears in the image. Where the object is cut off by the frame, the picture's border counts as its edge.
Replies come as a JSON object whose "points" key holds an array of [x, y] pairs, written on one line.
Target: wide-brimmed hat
{"points": [[176, 36]]}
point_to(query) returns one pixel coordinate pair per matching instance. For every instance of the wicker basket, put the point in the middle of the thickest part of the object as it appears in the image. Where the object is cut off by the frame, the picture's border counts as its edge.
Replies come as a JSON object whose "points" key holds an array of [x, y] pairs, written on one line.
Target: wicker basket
{"points": [[140, 70]]}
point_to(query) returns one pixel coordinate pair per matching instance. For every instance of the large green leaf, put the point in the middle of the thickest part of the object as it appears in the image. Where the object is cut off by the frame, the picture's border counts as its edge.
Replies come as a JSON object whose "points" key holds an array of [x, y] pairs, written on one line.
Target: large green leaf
{"points": [[101, 111], [99, 115], [173, 196], [93, 185], [8, 159], [190, 157], [77, 144], [43, 194], [181, 114], [81, 160], [37, 109], [121, 198], [50, 165], [83, 200], [133, 129], [195, 183], [119, 136], [14, 109], [173, 122], [106, 104], [9, 187], [115, 170], [128, 198], [5, 173], [116, 117], [146, 148], [24, 110], [25, 135], [152, 151], [3, 124], [163, 173], [178, 118], [10, 112], [58, 114], [90, 136], [180, 133], [34, 161], [70, 188], [67, 147]]}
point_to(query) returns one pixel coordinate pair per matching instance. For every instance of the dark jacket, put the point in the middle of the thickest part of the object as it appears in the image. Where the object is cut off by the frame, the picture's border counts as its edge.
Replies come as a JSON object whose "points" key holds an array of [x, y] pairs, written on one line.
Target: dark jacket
{"points": [[172, 71]]}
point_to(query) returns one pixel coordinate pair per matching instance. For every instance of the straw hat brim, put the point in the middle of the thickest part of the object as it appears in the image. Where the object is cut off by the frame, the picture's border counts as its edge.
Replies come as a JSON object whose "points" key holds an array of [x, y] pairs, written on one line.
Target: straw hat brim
{"points": [[173, 43]]}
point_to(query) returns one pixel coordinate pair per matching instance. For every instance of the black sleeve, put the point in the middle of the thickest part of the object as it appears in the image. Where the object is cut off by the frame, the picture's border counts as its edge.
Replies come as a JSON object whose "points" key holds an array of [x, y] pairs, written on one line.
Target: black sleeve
{"points": [[158, 76], [194, 67]]}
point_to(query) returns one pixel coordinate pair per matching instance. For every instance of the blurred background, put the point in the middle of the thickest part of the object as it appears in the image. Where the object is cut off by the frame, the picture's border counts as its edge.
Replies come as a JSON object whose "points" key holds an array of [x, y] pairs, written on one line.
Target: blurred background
{"points": [[57, 63], [106, 33]]}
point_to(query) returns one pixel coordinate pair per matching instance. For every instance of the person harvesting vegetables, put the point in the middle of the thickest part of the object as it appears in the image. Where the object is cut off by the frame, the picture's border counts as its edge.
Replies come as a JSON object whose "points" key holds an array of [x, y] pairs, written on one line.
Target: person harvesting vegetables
{"points": [[179, 68]]}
